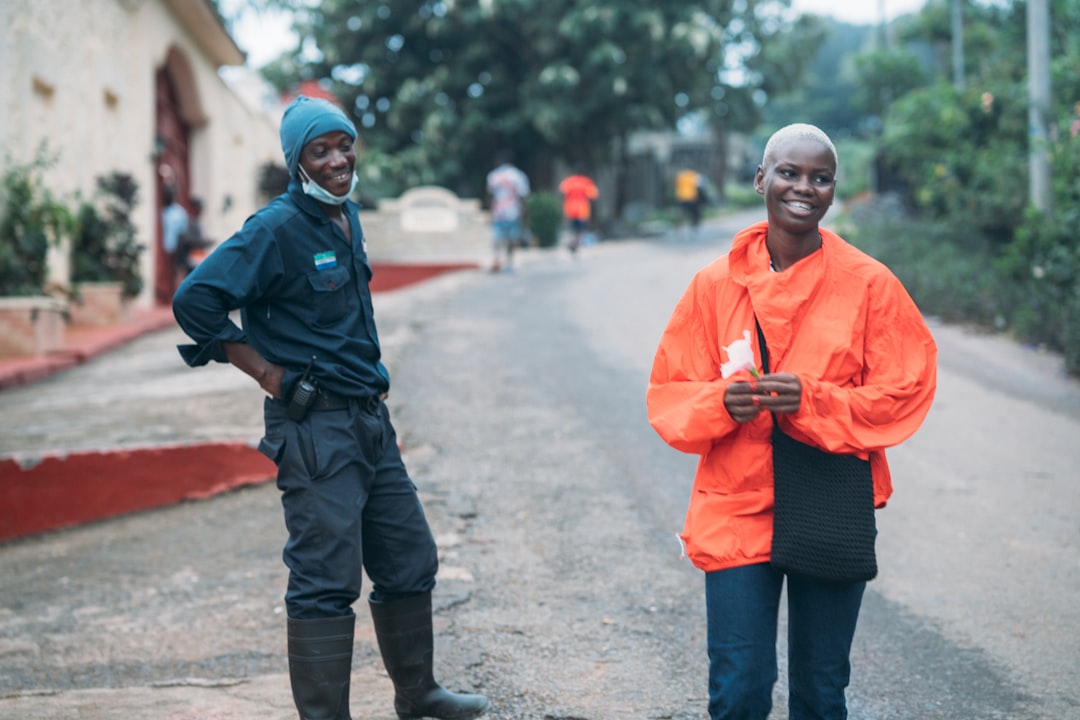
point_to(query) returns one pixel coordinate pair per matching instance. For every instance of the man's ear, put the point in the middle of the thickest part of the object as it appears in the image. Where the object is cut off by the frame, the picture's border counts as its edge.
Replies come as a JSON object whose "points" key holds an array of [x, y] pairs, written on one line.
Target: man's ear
{"points": [[759, 180]]}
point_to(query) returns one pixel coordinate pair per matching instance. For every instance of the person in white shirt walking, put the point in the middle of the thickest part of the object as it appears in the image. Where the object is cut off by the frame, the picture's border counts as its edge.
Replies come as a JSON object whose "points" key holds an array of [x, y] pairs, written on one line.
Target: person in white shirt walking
{"points": [[508, 186]]}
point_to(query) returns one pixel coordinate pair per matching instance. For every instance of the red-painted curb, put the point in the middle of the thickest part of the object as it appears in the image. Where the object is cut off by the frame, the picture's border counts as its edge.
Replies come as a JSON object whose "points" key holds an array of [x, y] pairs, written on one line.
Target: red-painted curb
{"points": [[60, 490], [386, 276], [80, 345], [54, 491]]}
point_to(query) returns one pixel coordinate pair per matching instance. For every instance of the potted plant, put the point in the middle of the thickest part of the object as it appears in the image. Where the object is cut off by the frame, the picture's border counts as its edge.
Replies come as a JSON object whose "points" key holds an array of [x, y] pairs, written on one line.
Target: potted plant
{"points": [[31, 220], [105, 271]]}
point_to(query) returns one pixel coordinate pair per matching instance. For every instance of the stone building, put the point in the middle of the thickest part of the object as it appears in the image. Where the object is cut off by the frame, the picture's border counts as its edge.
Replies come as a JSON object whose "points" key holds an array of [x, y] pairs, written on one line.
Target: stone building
{"points": [[133, 86]]}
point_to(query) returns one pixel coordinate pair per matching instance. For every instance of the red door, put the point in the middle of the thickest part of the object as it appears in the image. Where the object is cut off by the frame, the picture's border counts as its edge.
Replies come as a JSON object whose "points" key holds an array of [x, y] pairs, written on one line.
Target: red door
{"points": [[172, 171]]}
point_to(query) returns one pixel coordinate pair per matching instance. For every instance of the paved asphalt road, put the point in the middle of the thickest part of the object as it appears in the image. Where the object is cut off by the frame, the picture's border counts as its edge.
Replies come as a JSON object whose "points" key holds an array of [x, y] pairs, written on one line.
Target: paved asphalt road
{"points": [[514, 392]]}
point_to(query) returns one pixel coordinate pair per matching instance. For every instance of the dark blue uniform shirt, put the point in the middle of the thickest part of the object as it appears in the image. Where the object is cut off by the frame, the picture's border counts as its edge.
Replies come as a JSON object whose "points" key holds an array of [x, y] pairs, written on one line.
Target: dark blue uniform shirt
{"points": [[302, 290]]}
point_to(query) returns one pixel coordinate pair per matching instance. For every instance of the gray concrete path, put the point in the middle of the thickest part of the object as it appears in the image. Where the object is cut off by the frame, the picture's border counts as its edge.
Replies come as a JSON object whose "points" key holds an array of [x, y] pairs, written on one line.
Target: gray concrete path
{"points": [[581, 611]]}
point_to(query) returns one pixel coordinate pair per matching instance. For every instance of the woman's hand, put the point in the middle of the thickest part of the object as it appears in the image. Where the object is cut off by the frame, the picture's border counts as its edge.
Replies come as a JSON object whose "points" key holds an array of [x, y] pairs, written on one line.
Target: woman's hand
{"points": [[776, 392]]}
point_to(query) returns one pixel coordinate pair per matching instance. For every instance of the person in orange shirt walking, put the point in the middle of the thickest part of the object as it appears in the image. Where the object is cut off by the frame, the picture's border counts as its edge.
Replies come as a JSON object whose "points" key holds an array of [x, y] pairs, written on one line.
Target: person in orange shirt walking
{"points": [[853, 371], [579, 192]]}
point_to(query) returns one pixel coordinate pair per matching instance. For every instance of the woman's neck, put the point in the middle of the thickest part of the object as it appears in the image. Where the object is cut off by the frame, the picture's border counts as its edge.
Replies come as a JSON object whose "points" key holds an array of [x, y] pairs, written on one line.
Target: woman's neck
{"points": [[785, 249]]}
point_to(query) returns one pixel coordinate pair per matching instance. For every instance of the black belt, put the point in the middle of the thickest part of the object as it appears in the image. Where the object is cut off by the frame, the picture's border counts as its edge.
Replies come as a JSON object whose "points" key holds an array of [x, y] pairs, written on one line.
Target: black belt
{"points": [[326, 400]]}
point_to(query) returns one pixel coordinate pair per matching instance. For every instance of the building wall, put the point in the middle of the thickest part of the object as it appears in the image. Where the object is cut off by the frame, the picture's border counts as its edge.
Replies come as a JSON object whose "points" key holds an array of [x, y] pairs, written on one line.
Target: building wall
{"points": [[80, 77]]}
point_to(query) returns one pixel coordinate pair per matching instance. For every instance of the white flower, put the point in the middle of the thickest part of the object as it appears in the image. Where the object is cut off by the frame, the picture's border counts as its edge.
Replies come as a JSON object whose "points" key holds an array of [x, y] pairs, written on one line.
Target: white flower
{"points": [[740, 357], [682, 546]]}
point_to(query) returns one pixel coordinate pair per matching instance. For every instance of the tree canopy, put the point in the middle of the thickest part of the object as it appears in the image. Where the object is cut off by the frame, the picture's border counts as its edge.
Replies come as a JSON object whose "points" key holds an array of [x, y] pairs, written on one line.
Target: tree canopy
{"points": [[438, 87], [973, 246]]}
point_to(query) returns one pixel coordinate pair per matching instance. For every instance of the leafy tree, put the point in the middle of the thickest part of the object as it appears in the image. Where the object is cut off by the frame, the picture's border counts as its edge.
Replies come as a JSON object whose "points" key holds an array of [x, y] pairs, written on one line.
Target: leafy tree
{"points": [[963, 153], [884, 75], [826, 98], [994, 38], [977, 251], [437, 86]]}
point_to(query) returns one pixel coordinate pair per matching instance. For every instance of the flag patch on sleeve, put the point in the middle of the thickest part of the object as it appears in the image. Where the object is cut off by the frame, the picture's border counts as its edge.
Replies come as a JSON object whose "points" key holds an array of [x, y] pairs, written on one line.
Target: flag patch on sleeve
{"points": [[325, 260]]}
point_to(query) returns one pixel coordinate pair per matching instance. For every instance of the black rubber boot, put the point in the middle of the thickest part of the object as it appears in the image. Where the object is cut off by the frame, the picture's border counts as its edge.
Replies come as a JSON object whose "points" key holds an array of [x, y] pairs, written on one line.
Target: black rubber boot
{"points": [[403, 628], [320, 662]]}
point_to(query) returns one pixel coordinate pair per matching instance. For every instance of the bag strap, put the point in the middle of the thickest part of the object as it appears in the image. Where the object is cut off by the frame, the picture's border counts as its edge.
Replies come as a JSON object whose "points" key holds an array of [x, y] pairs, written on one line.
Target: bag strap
{"points": [[764, 347], [765, 366]]}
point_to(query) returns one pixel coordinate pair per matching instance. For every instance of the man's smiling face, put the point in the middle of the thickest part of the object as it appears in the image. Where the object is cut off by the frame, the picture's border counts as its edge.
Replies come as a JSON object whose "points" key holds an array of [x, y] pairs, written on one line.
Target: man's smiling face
{"points": [[329, 161]]}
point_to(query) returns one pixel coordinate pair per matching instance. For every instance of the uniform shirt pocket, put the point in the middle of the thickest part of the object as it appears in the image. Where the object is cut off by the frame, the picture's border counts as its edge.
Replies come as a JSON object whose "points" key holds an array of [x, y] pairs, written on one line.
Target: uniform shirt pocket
{"points": [[329, 299]]}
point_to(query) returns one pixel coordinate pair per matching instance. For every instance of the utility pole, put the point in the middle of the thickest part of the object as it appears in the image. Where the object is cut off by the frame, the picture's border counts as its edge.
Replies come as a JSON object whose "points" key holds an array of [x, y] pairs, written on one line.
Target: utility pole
{"points": [[1038, 58], [958, 44], [883, 27]]}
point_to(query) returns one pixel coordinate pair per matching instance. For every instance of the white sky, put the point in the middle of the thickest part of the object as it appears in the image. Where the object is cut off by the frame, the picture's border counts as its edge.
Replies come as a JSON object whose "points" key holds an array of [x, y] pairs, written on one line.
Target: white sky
{"points": [[865, 12], [263, 36]]}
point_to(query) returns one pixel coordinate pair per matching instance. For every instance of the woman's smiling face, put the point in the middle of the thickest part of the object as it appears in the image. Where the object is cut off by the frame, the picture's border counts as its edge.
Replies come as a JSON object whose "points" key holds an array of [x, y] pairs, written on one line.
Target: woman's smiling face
{"points": [[798, 182]]}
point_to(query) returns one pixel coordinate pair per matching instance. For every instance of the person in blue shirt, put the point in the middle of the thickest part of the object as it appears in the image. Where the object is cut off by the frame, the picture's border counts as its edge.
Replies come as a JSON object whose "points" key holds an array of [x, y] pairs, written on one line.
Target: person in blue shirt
{"points": [[174, 223], [298, 273]]}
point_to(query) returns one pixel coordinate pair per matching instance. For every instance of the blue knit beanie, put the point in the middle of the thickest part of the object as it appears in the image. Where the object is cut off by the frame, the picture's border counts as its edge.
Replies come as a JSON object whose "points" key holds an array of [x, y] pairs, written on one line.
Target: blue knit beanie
{"points": [[306, 119]]}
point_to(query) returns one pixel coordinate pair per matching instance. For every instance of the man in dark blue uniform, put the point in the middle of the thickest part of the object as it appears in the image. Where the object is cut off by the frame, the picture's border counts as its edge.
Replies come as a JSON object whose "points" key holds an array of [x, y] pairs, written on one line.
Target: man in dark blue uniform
{"points": [[298, 273]]}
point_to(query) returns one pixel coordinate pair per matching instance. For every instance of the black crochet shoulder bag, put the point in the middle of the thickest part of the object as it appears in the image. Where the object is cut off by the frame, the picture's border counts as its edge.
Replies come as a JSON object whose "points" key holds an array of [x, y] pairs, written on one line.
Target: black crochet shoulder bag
{"points": [[823, 515]]}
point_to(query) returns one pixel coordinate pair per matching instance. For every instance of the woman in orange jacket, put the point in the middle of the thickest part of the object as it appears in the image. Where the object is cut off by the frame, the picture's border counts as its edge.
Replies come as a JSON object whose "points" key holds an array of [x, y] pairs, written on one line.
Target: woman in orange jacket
{"points": [[853, 371]]}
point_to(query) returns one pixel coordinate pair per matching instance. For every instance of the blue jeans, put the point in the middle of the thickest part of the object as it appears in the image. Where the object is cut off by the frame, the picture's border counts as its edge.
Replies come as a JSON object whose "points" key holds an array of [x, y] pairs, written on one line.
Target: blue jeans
{"points": [[742, 605], [506, 232]]}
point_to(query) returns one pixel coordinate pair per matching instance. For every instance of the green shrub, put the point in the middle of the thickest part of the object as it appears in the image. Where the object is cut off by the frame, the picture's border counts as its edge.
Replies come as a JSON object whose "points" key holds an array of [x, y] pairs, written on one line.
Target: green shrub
{"points": [[30, 220], [105, 248], [1041, 269], [856, 159], [1032, 289], [741, 195], [273, 180], [545, 217], [1071, 333], [944, 280]]}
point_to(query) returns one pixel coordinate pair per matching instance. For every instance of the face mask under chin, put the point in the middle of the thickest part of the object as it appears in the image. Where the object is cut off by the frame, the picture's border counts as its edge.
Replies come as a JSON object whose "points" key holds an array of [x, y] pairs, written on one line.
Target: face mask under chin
{"points": [[318, 192]]}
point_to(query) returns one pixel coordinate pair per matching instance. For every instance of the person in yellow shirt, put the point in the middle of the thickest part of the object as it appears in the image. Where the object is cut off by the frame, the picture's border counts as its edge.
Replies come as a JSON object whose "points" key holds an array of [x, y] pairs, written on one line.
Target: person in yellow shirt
{"points": [[853, 370], [691, 196]]}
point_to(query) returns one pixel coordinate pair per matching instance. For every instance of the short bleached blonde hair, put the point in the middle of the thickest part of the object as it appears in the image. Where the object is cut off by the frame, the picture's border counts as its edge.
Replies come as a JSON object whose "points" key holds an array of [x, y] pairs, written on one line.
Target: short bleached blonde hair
{"points": [[797, 131]]}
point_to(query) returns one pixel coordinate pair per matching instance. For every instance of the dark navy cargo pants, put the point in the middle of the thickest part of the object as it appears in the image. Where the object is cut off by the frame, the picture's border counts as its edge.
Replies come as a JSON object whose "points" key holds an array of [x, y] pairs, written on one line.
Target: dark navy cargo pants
{"points": [[349, 506]]}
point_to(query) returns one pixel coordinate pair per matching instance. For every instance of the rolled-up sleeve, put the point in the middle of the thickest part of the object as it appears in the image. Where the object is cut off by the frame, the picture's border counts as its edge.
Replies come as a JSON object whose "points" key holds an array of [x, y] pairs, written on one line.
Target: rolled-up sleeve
{"points": [[231, 277]]}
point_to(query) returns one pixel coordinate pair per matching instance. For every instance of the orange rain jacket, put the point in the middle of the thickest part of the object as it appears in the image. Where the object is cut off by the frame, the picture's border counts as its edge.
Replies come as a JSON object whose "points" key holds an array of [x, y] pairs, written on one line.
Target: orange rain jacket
{"points": [[838, 319]]}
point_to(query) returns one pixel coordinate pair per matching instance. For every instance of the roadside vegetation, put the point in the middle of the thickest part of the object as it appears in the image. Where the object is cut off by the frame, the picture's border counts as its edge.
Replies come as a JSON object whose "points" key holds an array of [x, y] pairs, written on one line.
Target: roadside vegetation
{"points": [[952, 215]]}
